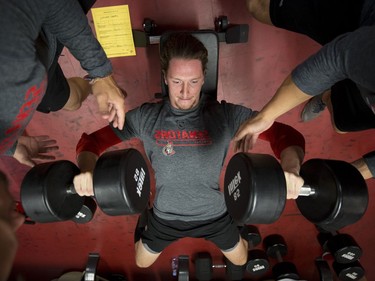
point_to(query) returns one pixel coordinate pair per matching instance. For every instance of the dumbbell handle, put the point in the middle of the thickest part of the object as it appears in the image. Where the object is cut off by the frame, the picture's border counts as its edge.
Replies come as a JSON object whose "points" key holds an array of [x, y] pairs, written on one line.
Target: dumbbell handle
{"points": [[278, 256], [71, 189], [306, 190], [219, 266]]}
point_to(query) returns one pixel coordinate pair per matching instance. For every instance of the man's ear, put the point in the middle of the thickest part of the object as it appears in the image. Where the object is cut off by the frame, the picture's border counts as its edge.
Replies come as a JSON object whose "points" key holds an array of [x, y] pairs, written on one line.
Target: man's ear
{"points": [[165, 78]]}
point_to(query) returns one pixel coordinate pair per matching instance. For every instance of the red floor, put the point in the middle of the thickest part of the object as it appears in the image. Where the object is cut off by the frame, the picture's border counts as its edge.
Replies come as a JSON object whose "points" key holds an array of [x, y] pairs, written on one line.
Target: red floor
{"points": [[249, 74]]}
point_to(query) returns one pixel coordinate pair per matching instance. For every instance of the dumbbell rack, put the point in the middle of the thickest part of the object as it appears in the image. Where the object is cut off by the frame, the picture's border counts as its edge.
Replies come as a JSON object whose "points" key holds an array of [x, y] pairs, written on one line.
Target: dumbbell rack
{"points": [[345, 252], [180, 267]]}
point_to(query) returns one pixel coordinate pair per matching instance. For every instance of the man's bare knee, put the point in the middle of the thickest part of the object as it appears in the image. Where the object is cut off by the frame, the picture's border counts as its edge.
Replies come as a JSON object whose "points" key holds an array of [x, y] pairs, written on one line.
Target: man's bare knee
{"points": [[259, 9], [141, 263], [238, 256], [79, 90], [144, 258]]}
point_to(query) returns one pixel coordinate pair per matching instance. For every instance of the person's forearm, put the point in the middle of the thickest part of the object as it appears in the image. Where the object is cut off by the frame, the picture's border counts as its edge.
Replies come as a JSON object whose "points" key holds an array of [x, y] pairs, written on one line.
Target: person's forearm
{"points": [[86, 161], [291, 159], [286, 98], [362, 167], [69, 24]]}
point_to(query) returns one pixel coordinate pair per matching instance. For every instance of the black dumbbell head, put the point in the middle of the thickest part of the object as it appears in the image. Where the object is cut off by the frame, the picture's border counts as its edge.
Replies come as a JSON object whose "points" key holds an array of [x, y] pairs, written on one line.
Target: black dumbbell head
{"points": [[251, 234], [44, 192], [234, 272], [344, 248], [275, 245], [257, 264], [87, 212], [341, 195], [121, 182], [203, 266], [348, 272], [254, 188], [283, 270]]}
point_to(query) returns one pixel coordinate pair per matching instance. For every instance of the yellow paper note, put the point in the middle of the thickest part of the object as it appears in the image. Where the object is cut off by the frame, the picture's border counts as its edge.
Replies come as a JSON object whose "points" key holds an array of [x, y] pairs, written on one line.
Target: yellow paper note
{"points": [[113, 30]]}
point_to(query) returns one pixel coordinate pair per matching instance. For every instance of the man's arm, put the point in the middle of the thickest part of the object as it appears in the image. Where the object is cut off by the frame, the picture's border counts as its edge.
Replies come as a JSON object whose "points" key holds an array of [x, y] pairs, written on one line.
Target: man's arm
{"points": [[67, 21], [69, 24], [88, 150], [291, 160], [348, 56], [288, 144], [366, 165]]}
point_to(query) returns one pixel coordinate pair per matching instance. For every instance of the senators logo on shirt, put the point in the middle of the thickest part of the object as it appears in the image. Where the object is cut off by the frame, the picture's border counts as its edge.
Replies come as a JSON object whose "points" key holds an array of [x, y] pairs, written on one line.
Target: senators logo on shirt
{"points": [[182, 137]]}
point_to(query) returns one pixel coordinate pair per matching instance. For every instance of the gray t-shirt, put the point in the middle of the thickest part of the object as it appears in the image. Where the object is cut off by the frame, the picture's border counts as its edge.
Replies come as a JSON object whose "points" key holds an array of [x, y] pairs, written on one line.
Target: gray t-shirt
{"points": [[187, 150], [348, 56]]}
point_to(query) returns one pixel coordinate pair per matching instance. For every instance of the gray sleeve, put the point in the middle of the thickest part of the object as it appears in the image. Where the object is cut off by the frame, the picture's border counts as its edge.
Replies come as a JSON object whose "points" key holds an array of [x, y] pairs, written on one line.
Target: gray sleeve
{"points": [[236, 115], [67, 21], [129, 130], [349, 56], [369, 159], [132, 126]]}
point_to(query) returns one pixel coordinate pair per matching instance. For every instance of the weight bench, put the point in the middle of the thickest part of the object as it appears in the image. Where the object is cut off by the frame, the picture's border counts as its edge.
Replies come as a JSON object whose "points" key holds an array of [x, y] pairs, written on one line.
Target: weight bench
{"points": [[223, 32]]}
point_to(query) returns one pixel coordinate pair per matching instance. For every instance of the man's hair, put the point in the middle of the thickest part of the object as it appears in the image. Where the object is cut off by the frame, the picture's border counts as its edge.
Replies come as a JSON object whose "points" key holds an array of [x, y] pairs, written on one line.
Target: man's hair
{"points": [[182, 45]]}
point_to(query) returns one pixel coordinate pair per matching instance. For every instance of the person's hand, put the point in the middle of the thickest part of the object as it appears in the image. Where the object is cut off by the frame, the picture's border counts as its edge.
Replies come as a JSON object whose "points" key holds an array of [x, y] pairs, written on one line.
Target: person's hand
{"points": [[248, 133], [111, 100], [83, 184], [293, 185], [30, 148]]}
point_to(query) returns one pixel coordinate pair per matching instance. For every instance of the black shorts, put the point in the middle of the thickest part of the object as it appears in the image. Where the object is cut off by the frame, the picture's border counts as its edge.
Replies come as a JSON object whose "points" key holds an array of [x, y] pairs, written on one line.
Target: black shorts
{"points": [[223, 232], [321, 20], [58, 90], [350, 111]]}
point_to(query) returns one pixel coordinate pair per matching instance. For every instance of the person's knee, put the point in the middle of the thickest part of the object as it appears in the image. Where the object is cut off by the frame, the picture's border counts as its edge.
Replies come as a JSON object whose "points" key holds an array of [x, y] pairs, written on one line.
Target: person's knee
{"points": [[259, 9], [79, 90], [252, 6], [238, 256], [141, 263], [144, 258]]}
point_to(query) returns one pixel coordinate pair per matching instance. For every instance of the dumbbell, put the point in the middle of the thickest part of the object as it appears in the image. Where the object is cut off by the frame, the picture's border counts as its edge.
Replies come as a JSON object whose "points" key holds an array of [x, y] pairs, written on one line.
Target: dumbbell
{"points": [[180, 267], [349, 271], [257, 263], [149, 26], [87, 211], [276, 247], [324, 270], [84, 215], [121, 187], [221, 24], [204, 268], [334, 195], [341, 246]]}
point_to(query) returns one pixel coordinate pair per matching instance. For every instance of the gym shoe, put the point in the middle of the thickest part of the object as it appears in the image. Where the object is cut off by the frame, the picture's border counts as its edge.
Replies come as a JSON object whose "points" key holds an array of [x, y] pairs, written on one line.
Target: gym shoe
{"points": [[313, 108]]}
